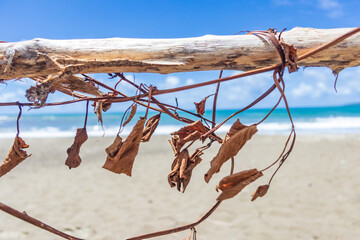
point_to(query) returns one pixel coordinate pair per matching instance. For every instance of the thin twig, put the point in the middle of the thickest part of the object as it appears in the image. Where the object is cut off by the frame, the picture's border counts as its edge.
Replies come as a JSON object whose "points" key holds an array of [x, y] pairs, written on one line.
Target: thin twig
{"points": [[178, 229], [86, 114], [215, 102], [232, 166], [23, 216], [18, 119], [149, 99], [116, 91], [329, 44], [265, 94]]}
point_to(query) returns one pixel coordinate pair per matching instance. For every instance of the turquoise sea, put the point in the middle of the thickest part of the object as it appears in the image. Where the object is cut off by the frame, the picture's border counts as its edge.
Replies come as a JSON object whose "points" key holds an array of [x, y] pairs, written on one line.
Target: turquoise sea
{"points": [[333, 120]]}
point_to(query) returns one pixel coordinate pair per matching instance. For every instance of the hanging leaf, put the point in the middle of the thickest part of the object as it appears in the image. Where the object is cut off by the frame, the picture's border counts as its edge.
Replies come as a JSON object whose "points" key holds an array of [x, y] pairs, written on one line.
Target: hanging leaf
{"points": [[98, 109], [235, 139], [188, 129], [200, 106], [233, 184], [113, 149], [15, 156], [291, 57], [132, 114], [121, 155], [260, 192], [150, 127], [182, 167], [73, 160], [186, 134], [195, 159]]}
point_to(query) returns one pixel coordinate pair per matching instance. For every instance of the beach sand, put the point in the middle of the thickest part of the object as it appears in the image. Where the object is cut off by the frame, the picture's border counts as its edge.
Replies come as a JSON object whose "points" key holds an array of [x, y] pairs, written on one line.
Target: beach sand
{"points": [[315, 195]]}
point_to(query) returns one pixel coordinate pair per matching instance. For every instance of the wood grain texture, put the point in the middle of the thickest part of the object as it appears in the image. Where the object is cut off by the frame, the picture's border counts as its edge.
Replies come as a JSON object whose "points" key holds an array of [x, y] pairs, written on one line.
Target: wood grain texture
{"points": [[43, 57]]}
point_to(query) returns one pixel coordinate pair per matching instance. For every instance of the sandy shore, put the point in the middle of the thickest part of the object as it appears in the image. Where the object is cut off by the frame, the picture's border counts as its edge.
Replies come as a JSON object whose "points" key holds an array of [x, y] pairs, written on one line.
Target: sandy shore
{"points": [[315, 195]]}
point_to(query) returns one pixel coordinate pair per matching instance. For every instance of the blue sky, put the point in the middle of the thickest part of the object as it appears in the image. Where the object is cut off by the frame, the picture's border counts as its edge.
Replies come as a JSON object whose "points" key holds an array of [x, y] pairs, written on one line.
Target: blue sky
{"points": [[23, 20]]}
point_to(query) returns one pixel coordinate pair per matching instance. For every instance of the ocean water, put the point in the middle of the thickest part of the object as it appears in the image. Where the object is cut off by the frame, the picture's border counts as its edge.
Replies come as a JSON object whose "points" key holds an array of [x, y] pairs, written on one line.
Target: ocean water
{"points": [[321, 120]]}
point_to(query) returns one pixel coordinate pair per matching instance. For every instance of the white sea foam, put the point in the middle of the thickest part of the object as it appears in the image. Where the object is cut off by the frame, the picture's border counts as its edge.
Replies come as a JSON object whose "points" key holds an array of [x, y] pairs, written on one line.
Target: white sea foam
{"points": [[332, 125], [346, 125]]}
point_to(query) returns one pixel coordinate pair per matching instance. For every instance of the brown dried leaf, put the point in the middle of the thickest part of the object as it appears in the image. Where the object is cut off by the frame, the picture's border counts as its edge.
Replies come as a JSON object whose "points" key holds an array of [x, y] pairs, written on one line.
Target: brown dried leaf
{"points": [[73, 160], [195, 159], [98, 111], [178, 142], [233, 184], [200, 106], [182, 167], [260, 192], [186, 134], [290, 56], [75, 83], [132, 114], [235, 139], [188, 129], [121, 155], [100, 107], [150, 127], [113, 149], [15, 156]]}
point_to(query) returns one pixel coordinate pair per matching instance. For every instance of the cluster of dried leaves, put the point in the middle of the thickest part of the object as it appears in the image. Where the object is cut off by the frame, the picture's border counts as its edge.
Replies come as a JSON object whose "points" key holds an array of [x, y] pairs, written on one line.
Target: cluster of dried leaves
{"points": [[121, 153]]}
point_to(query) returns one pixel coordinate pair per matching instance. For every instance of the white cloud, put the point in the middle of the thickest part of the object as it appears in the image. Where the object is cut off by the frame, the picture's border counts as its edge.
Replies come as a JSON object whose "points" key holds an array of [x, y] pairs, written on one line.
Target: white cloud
{"points": [[189, 81], [8, 97], [332, 7], [172, 81], [302, 90]]}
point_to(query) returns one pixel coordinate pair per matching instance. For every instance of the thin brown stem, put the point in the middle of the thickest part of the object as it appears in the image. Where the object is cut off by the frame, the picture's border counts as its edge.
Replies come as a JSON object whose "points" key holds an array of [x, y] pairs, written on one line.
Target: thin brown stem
{"points": [[18, 119], [23, 216], [86, 114], [215, 102], [178, 229], [232, 166], [329, 44], [116, 91], [149, 100], [180, 109], [272, 88], [154, 99]]}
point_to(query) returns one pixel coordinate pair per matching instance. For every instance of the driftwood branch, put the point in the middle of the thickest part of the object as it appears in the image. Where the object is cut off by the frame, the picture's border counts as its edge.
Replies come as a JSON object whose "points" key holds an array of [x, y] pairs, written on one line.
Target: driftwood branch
{"points": [[42, 57]]}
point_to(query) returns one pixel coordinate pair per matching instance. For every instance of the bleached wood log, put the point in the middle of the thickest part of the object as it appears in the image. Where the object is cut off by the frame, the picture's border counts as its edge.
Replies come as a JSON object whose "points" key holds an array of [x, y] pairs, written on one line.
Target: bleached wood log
{"points": [[42, 57]]}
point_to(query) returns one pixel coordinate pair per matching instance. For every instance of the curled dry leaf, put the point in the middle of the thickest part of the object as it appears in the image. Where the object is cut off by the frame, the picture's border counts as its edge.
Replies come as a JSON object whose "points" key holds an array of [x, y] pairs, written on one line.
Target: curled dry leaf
{"points": [[235, 139], [233, 184], [200, 106], [98, 111], [260, 192], [15, 156], [75, 83], [73, 160], [150, 127], [290, 56], [101, 106], [121, 155], [182, 167], [186, 134], [132, 114]]}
